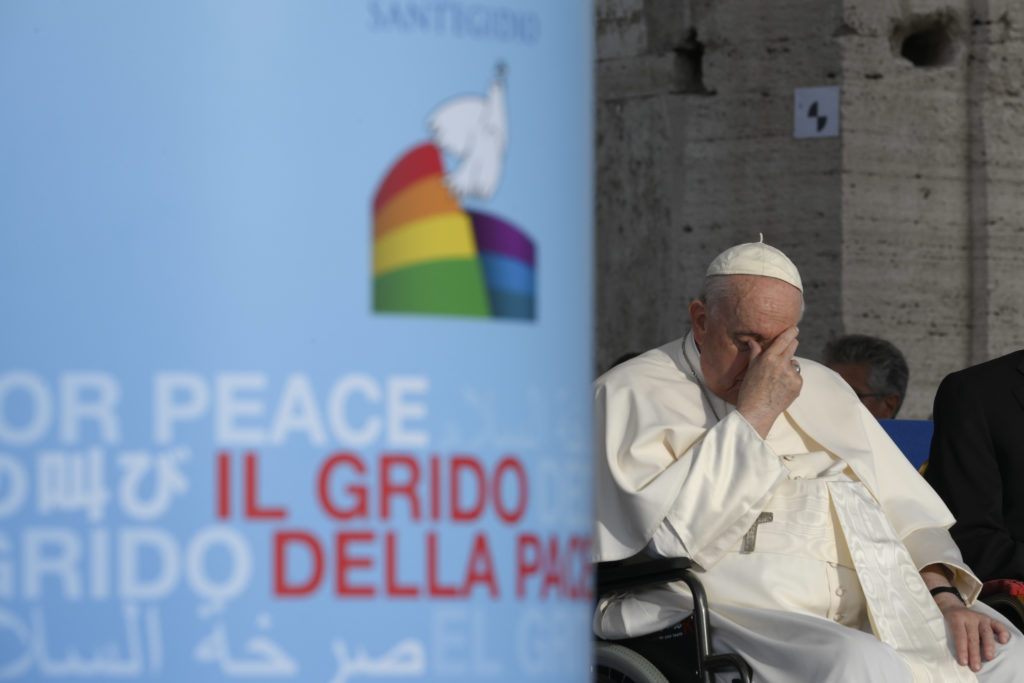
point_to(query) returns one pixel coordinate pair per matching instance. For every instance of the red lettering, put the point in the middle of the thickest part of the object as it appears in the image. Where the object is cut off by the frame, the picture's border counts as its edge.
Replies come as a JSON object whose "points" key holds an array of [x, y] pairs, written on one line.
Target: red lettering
{"points": [[253, 510], [366, 564], [435, 488], [552, 570], [388, 487], [459, 464], [394, 589], [481, 567], [434, 586], [510, 463], [527, 561], [359, 508], [296, 539], [223, 485], [460, 488], [562, 566], [346, 562], [583, 587]]}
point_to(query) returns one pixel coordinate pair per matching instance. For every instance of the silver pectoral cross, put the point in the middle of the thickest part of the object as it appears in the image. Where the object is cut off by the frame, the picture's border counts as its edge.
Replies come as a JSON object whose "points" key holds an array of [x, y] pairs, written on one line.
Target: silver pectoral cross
{"points": [[750, 538]]}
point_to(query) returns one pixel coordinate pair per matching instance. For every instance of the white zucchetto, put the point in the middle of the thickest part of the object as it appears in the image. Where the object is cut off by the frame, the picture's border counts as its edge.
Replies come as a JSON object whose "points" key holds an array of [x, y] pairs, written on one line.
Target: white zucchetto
{"points": [[756, 258]]}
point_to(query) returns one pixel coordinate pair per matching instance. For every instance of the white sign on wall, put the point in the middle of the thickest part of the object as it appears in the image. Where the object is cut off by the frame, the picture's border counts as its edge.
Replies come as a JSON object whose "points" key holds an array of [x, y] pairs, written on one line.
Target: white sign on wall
{"points": [[816, 112]]}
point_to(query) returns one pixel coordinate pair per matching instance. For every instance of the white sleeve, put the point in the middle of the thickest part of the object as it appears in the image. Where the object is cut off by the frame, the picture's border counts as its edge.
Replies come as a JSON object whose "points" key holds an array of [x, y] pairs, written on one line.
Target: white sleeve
{"points": [[666, 543], [936, 546], [732, 474], [660, 460]]}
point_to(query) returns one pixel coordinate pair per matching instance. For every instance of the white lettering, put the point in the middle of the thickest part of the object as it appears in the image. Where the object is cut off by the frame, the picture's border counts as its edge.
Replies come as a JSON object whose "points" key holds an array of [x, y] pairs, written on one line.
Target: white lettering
{"points": [[548, 640], [401, 408], [76, 388], [459, 644], [40, 408], [13, 485], [239, 560], [129, 561], [358, 409], [99, 564], [337, 403], [297, 412], [177, 396], [67, 482], [6, 569], [168, 481], [232, 405], [15, 667], [61, 563]]}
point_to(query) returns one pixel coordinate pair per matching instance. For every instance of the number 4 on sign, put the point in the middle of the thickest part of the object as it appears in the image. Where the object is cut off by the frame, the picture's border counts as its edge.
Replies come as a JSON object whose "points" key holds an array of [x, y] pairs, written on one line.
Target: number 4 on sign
{"points": [[253, 508]]}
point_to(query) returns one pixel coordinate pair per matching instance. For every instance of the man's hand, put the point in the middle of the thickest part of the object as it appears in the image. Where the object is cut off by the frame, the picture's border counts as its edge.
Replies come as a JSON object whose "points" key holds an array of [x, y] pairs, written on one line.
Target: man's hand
{"points": [[771, 383], [974, 633]]}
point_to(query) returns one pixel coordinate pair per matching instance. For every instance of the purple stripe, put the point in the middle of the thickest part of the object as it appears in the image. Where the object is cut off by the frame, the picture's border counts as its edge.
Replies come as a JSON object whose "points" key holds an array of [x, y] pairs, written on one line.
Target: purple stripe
{"points": [[496, 235]]}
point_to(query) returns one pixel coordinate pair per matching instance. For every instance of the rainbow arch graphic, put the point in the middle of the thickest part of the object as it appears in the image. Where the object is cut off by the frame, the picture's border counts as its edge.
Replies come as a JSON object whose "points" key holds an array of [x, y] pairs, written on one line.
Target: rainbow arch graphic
{"points": [[430, 255]]}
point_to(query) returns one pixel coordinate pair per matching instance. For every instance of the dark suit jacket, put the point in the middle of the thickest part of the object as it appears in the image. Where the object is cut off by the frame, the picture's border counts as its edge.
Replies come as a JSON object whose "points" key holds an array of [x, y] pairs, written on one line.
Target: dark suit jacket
{"points": [[977, 463]]}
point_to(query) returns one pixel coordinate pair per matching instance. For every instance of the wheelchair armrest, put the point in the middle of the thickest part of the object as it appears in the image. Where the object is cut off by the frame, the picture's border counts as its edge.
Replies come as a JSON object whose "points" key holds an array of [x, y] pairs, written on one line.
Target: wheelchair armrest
{"points": [[1010, 606], [639, 570], [632, 573]]}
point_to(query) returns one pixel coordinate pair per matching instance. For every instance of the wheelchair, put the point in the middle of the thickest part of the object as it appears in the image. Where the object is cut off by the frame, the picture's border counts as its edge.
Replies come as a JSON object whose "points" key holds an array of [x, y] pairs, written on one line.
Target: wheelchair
{"points": [[678, 654], [1010, 606]]}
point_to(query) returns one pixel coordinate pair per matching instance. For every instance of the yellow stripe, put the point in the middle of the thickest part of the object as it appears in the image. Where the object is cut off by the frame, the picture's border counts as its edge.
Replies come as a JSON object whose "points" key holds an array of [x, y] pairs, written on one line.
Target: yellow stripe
{"points": [[434, 238]]}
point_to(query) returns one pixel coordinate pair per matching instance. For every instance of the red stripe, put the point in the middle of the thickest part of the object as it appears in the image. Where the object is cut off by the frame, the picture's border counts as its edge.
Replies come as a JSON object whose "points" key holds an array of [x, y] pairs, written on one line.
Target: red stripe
{"points": [[418, 163]]}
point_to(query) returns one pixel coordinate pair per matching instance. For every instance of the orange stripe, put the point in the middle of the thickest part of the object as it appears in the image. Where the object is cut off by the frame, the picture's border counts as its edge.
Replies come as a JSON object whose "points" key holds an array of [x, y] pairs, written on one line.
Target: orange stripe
{"points": [[422, 199]]}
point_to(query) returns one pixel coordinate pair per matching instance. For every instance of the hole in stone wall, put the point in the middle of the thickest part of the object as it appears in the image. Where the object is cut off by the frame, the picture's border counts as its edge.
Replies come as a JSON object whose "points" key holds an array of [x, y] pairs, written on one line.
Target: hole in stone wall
{"points": [[690, 65], [931, 44]]}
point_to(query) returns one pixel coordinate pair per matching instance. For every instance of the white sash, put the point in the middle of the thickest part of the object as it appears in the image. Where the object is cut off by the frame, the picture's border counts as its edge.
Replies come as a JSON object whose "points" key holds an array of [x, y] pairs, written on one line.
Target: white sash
{"points": [[902, 612]]}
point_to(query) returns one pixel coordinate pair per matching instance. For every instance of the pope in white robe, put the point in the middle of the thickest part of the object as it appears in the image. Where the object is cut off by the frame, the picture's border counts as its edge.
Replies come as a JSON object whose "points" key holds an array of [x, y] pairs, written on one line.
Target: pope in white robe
{"points": [[817, 542]]}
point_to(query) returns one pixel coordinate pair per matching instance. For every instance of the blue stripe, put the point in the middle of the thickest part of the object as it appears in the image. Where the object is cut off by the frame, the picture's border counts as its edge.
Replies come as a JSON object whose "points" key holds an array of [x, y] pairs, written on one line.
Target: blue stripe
{"points": [[508, 305], [506, 274]]}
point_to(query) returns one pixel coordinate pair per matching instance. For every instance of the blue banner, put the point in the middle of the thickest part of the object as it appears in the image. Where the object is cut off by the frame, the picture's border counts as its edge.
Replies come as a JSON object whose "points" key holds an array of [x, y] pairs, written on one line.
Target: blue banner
{"points": [[296, 340]]}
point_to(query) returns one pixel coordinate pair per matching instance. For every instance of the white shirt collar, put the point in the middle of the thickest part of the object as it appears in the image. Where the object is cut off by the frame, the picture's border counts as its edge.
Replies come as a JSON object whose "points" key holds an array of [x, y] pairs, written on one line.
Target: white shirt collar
{"points": [[719, 406]]}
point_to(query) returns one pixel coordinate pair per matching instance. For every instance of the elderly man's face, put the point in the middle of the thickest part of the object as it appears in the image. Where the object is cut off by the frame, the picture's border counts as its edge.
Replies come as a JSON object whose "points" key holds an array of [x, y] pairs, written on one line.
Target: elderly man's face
{"points": [[757, 309], [882, 406]]}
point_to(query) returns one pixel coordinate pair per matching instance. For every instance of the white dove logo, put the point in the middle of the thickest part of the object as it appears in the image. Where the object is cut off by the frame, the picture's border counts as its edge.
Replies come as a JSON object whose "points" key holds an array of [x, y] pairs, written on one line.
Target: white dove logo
{"points": [[432, 253], [474, 128]]}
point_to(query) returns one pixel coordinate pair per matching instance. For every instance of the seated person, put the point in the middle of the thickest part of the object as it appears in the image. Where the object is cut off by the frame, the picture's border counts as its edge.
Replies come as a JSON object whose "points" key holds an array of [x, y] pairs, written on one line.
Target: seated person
{"points": [[976, 460], [826, 557], [875, 368]]}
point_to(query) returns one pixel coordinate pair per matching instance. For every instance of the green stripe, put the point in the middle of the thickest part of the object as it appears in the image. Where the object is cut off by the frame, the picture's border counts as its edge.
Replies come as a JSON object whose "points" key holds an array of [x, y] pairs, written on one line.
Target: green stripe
{"points": [[454, 287]]}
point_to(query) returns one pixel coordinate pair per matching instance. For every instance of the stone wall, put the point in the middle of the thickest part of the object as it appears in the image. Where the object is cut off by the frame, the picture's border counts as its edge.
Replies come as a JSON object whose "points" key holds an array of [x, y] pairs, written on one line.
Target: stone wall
{"points": [[905, 226]]}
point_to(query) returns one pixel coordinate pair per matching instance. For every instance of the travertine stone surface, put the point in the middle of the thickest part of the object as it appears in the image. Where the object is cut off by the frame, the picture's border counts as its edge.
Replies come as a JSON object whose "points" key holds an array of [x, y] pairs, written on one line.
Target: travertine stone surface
{"points": [[694, 159], [905, 181], [910, 225]]}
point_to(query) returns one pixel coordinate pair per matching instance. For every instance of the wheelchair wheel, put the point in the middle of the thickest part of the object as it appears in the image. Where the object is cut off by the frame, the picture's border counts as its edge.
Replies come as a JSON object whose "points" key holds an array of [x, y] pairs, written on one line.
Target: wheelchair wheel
{"points": [[1008, 606], [617, 664]]}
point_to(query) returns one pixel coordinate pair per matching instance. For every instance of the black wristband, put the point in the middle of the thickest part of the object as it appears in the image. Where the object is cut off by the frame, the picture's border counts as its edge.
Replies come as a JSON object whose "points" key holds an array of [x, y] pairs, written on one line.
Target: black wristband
{"points": [[948, 589]]}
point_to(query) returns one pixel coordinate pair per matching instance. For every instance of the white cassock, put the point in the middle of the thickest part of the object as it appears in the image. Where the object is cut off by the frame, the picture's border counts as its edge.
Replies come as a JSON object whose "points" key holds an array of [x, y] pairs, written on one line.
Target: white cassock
{"points": [[830, 590]]}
